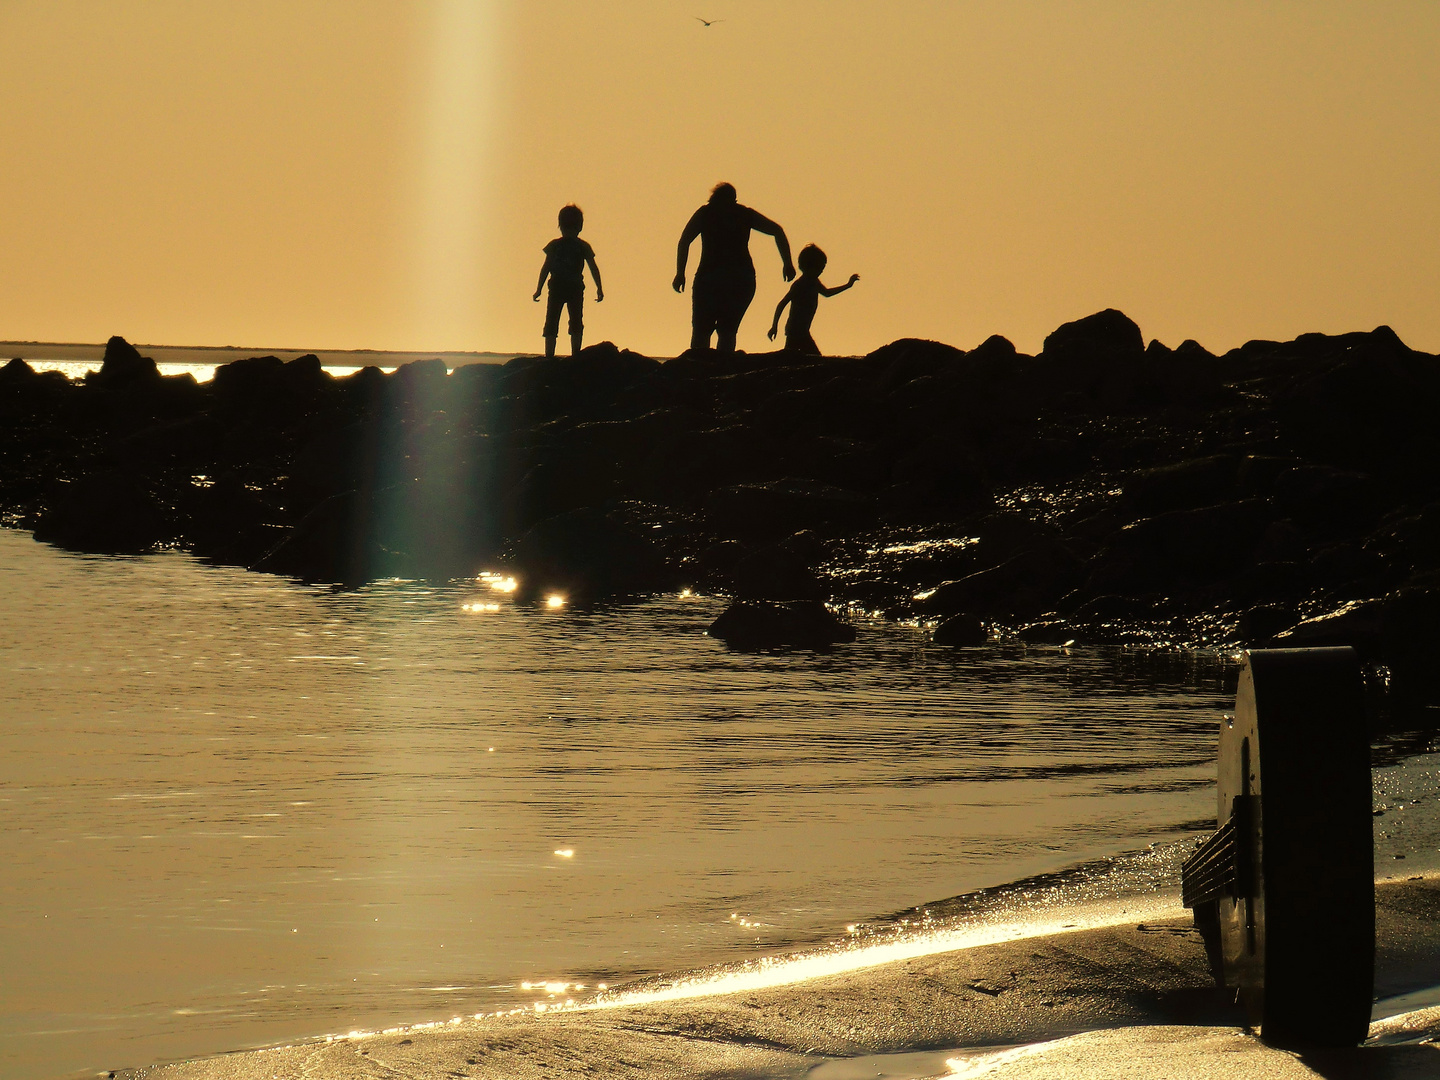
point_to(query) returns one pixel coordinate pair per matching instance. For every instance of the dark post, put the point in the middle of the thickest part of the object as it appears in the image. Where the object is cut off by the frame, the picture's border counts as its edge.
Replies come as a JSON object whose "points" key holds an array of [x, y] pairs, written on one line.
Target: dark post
{"points": [[1284, 892]]}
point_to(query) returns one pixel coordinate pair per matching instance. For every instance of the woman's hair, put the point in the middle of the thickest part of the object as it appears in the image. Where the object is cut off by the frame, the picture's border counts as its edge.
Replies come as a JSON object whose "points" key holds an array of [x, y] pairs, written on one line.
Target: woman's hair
{"points": [[723, 192], [572, 219], [811, 259]]}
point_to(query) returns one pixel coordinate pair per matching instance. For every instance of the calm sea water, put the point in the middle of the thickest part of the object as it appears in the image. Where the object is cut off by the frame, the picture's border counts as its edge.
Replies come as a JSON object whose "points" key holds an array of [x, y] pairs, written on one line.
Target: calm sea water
{"points": [[236, 810]]}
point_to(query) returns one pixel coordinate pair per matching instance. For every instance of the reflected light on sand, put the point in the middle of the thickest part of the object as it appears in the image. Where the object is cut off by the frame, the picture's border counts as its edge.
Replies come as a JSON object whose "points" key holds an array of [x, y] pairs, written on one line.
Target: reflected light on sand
{"points": [[477, 607], [565, 852], [554, 600], [774, 971]]}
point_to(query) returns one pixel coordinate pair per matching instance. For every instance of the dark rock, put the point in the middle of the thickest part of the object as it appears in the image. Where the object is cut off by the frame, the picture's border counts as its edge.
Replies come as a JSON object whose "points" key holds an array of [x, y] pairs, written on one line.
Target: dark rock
{"points": [[1350, 565], [1047, 632], [994, 349], [784, 507], [800, 624], [331, 543], [17, 373], [1184, 486], [962, 630], [111, 512], [772, 572], [1329, 500], [1109, 608], [1022, 586], [124, 366], [254, 380], [1184, 547], [1261, 623], [586, 554], [1107, 331], [422, 379]]}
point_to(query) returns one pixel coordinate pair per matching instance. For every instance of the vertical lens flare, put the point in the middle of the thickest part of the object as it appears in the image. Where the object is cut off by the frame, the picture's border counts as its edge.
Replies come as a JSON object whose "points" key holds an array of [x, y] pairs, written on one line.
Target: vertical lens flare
{"points": [[456, 171]]}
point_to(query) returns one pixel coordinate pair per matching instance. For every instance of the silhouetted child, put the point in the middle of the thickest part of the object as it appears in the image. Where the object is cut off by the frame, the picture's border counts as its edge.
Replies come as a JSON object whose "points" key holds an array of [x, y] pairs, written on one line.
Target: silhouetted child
{"points": [[565, 260], [804, 298]]}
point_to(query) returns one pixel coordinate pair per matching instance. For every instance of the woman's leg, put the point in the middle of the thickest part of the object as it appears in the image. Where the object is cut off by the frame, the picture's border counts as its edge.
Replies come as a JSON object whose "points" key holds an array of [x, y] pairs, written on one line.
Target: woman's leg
{"points": [[702, 314], [735, 301]]}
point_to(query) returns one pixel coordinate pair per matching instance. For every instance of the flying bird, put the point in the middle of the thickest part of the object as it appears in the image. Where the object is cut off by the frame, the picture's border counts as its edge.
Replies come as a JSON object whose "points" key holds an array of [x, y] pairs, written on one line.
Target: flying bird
{"points": [[709, 22]]}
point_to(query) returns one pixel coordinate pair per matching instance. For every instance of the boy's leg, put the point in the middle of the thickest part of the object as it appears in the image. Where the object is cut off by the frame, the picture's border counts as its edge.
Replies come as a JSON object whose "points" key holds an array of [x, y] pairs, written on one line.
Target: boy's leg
{"points": [[553, 303], [801, 343], [577, 322]]}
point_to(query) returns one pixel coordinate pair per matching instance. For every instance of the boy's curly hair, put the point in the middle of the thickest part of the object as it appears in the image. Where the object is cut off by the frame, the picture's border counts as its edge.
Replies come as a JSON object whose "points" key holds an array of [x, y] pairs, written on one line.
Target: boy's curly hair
{"points": [[811, 259]]}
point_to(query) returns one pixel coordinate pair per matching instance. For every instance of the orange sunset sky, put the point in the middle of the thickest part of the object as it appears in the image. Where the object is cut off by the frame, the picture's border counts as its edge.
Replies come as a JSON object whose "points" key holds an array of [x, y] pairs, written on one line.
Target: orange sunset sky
{"points": [[355, 174]]}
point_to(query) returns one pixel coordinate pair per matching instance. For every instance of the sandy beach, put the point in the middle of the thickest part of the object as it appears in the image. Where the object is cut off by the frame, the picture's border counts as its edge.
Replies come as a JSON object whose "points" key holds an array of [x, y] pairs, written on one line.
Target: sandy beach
{"points": [[1127, 1000]]}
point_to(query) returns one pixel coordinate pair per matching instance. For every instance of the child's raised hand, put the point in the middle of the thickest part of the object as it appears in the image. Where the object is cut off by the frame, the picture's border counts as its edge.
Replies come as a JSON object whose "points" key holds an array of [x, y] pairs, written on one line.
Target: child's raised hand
{"points": [[854, 278]]}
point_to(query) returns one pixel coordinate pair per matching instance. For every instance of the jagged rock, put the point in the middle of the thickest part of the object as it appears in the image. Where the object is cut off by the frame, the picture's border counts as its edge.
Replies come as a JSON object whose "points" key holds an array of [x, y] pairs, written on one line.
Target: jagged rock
{"points": [[804, 624], [124, 366], [1107, 331]]}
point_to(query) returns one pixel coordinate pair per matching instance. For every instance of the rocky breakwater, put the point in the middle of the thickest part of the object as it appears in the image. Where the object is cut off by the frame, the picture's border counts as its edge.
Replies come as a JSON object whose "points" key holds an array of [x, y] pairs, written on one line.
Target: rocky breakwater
{"points": [[1104, 490]]}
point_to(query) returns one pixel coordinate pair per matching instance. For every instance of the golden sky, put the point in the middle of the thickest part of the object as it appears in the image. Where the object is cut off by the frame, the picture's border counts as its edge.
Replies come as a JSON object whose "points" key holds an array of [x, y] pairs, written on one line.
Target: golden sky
{"points": [[356, 174]]}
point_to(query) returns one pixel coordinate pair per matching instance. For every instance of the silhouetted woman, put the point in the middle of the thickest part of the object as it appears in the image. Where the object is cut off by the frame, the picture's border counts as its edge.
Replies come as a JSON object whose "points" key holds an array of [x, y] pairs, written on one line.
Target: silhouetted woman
{"points": [[725, 280]]}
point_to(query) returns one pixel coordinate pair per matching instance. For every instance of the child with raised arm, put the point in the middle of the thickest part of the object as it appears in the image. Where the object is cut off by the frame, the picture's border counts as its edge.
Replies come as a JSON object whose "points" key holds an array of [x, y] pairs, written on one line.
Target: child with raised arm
{"points": [[804, 298], [565, 260]]}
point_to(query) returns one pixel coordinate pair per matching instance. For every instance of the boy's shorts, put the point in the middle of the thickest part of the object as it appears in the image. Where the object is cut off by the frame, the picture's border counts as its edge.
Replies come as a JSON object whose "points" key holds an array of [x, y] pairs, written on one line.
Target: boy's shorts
{"points": [[559, 298]]}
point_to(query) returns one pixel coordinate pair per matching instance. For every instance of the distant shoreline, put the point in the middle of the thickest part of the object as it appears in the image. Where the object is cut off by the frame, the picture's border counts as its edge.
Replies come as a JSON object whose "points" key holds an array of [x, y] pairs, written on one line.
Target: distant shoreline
{"points": [[211, 354]]}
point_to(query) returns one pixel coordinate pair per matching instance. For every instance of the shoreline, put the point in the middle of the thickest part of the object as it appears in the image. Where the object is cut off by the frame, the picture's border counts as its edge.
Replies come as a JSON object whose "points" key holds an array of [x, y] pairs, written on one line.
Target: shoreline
{"points": [[1082, 1002]]}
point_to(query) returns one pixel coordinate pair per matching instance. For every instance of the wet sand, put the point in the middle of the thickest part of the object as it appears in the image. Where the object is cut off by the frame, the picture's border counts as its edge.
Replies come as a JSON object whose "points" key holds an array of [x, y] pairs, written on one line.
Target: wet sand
{"points": [[1129, 1000]]}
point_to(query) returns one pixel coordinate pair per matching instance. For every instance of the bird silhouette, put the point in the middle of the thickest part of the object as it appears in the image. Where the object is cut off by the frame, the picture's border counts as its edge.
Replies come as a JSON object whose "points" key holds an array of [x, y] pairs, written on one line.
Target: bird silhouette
{"points": [[709, 22]]}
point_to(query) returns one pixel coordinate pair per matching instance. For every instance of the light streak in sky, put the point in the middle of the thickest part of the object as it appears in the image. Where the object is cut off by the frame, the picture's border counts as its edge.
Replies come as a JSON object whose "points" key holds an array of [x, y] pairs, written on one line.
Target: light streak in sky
{"points": [[456, 166]]}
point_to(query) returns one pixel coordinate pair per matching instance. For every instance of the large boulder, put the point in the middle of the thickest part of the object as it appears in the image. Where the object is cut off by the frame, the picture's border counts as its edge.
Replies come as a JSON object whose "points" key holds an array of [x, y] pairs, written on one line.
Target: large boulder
{"points": [[804, 624], [113, 512], [1107, 331]]}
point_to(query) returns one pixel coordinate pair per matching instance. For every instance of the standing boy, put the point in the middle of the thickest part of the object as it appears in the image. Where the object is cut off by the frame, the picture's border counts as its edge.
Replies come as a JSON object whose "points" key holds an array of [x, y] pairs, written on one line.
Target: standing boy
{"points": [[565, 260], [804, 298]]}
